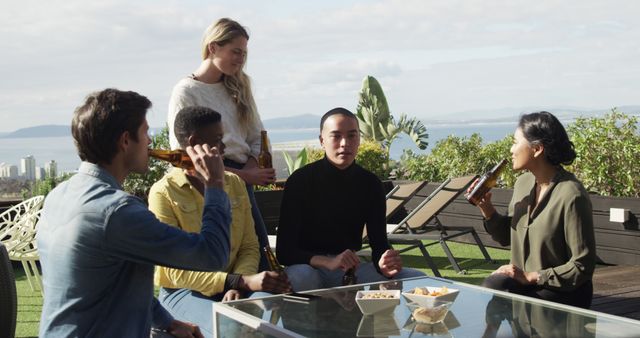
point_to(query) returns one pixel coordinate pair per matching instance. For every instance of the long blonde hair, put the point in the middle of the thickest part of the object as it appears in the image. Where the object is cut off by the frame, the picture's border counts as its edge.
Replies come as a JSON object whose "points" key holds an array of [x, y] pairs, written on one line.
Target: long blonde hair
{"points": [[238, 86]]}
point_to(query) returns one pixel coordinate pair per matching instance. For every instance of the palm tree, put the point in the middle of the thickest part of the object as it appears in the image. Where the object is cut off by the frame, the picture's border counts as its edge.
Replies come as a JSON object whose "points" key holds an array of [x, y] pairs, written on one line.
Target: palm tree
{"points": [[377, 124]]}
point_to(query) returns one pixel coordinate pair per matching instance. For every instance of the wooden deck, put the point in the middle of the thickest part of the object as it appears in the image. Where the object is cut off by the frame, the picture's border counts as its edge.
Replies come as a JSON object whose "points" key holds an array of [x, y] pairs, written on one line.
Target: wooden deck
{"points": [[616, 290]]}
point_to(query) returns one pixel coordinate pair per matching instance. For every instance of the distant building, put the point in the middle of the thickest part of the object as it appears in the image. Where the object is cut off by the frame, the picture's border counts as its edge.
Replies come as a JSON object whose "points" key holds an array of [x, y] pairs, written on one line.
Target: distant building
{"points": [[28, 168], [40, 173], [8, 171], [51, 168], [12, 171]]}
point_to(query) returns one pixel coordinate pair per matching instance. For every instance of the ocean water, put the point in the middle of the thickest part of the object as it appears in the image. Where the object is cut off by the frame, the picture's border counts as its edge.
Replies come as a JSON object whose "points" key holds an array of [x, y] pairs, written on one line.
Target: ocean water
{"points": [[62, 149]]}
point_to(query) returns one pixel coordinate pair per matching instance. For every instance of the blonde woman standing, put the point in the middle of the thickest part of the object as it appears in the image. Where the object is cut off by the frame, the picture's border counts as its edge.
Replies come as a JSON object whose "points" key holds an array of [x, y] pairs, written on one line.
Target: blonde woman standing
{"points": [[221, 84]]}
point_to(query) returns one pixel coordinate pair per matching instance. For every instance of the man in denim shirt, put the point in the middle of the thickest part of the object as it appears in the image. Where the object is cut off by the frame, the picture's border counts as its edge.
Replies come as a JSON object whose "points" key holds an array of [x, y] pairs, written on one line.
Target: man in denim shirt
{"points": [[98, 244]]}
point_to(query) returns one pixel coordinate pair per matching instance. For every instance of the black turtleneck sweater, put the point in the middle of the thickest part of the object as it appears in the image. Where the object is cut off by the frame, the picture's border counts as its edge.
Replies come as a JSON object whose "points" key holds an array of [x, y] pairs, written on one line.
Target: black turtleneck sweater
{"points": [[324, 210]]}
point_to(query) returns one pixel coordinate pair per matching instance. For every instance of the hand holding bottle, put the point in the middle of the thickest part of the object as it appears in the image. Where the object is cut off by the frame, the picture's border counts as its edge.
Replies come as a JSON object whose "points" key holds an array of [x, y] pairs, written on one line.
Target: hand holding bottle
{"points": [[178, 157], [269, 281], [208, 164], [478, 193], [254, 175], [484, 203], [481, 187], [344, 261]]}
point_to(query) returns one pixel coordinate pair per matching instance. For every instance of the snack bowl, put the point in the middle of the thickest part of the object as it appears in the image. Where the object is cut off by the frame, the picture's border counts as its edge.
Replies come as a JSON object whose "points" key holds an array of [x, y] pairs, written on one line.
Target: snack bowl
{"points": [[429, 314], [427, 296], [377, 301]]}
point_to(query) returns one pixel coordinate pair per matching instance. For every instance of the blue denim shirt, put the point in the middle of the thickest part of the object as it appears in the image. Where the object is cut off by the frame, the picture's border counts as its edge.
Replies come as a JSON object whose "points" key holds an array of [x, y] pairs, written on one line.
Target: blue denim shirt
{"points": [[98, 246]]}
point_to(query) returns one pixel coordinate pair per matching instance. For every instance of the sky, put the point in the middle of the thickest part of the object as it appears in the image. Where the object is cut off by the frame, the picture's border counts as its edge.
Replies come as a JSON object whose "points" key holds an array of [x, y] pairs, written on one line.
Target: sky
{"points": [[434, 59]]}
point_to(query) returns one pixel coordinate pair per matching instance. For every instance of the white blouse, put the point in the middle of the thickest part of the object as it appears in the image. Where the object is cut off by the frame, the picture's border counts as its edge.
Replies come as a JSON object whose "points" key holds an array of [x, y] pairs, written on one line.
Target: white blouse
{"points": [[241, 143]]}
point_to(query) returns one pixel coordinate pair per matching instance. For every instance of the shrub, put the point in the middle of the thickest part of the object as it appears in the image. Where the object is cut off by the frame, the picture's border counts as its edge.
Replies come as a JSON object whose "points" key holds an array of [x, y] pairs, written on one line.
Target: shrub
{"points": [[44, 186], [457, 156], [372, 157], [416, 167], [138, 184], [299, 162], [608, 151], [314, 154], [494, 152], [450, 157]]}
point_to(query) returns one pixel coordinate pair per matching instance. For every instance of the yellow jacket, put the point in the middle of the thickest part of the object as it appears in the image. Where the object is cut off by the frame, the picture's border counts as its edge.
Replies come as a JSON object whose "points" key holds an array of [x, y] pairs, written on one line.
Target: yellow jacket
{"points": [[176, 202]]}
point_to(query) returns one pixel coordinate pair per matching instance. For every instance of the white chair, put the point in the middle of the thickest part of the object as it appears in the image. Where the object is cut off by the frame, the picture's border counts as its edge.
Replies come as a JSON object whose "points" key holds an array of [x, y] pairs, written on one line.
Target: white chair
{"points": [[25, 249], [423, 223], [11, 216], [17, 233]]}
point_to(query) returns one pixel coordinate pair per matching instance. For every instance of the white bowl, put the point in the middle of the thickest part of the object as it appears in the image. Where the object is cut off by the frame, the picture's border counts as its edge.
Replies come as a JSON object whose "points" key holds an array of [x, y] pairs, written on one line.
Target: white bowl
{"points": [[428, 301], [431, 314], [382, 324], [377, 301]]}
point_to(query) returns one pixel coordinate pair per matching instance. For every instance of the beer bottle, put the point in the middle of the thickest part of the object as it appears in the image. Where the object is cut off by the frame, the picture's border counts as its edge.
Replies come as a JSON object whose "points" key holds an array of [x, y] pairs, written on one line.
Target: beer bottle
{"points": [[264, 158], [274, 265], [486, 182], [179, 158], [274, 318], [349, 277]]}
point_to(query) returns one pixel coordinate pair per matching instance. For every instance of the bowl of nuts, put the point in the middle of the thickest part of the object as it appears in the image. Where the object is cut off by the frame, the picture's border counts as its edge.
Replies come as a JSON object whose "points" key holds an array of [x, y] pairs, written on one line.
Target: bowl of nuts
{"points": [[427, 296], [377, 301], [429, 314]]}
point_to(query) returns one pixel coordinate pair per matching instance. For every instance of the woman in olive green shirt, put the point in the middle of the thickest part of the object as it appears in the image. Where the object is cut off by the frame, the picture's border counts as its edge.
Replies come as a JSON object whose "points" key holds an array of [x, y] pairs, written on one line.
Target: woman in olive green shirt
{"points": [[549, 223]]}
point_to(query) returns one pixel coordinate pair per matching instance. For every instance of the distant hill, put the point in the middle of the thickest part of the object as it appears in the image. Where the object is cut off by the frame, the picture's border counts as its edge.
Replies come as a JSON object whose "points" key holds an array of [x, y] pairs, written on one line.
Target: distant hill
{"points": [[511, 114], [49, 130], [305, 121], [293, 122], [52, 130]]}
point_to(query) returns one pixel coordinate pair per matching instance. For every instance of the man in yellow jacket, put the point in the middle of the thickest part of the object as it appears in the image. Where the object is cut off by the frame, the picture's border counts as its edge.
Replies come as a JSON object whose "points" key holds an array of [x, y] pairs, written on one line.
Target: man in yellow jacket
{"points": [[177, 200]]}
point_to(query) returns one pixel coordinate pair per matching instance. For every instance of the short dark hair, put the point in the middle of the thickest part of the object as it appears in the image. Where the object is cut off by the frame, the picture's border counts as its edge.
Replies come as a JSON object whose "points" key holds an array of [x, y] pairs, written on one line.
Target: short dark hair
{"points": [[103, 118], [544, 128], [337, 111], [190, 119]]}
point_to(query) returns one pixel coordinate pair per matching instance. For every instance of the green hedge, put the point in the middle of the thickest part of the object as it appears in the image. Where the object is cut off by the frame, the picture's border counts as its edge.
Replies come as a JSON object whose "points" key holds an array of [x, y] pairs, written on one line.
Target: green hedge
{"points": [[608, 159], [608, 148], [139, 184], [370, 156], [607, 164]]}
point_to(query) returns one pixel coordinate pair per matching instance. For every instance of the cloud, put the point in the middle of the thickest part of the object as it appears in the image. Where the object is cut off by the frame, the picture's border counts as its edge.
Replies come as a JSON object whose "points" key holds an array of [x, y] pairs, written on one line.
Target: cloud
{"points": [[430, 56]]}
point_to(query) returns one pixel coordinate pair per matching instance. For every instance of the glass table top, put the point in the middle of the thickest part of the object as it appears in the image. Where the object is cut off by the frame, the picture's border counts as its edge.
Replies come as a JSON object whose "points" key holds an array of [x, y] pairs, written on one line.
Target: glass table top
{"points": [[476, 312]]}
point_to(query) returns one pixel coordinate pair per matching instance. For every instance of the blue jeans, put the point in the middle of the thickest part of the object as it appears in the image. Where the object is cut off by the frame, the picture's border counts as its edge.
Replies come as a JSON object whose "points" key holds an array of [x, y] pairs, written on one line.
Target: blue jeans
{"points": [[194, 307], [261, 229], [305, 277]]}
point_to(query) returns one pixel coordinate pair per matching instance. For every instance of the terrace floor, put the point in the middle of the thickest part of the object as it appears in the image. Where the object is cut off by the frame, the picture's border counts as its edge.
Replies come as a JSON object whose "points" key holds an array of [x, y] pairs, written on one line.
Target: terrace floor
{"points": [[616, 290]]}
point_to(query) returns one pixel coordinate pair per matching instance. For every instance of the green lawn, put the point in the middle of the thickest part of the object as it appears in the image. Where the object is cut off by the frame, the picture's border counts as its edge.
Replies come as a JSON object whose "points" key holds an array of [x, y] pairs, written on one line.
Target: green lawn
{"points": [[469, 258], [29, 307]]}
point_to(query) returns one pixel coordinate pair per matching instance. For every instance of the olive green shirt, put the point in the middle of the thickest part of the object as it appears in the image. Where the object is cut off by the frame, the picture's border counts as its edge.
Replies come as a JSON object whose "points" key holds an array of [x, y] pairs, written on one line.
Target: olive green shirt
{"points": [[556, 237]]}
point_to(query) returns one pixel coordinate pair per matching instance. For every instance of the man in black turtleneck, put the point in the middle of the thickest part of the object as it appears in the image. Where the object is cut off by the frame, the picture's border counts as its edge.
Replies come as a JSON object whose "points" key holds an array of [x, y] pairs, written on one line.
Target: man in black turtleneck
{"points": [[325, 207]]}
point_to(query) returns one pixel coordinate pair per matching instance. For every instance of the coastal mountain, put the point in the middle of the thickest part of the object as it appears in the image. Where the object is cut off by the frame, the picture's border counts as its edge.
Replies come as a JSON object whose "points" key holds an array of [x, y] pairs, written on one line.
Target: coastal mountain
{"points": [[293, 122], [47, 130], [511, 114], [307, 121]]}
